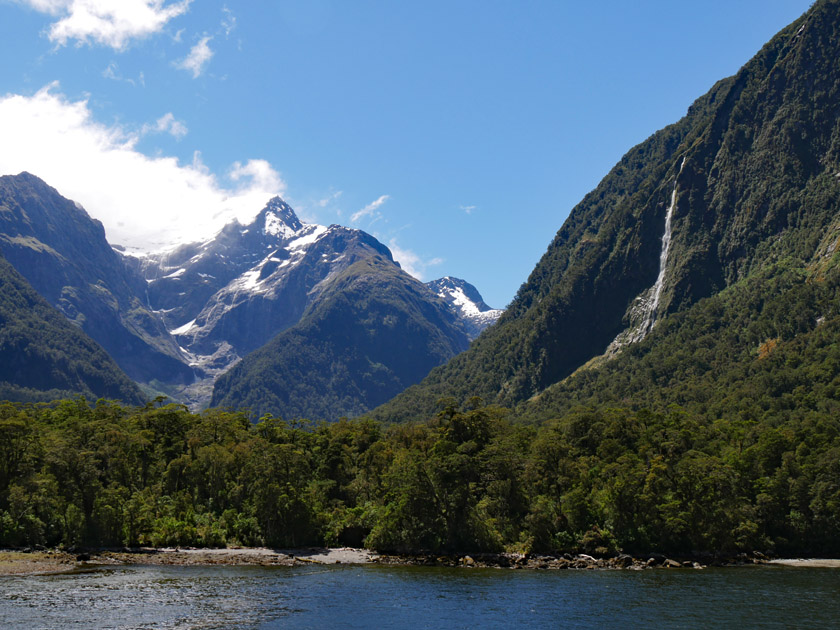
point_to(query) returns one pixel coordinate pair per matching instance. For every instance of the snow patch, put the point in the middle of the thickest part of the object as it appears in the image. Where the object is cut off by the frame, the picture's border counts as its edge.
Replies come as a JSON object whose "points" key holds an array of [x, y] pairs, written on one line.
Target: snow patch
{"points": [[249, 280], [274, 226], [462, 302], [176, 274], [182, 329], [317, 232]]}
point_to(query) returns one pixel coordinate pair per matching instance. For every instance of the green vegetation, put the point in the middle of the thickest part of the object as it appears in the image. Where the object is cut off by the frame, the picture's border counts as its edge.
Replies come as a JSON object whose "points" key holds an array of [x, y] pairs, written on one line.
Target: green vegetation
{"points": [[719, 432], [762, 351], [755, 164], [46, 357], [596, 480]]}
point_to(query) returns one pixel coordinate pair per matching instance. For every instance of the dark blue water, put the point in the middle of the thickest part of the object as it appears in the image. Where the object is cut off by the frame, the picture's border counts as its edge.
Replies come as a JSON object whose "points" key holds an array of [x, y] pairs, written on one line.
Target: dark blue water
{"points": [[420, 597]]}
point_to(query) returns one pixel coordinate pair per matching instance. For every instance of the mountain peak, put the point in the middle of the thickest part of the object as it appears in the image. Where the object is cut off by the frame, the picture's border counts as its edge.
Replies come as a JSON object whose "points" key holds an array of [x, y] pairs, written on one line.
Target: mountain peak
{"points": [[278, 219], [465, 300], [460, 292]]}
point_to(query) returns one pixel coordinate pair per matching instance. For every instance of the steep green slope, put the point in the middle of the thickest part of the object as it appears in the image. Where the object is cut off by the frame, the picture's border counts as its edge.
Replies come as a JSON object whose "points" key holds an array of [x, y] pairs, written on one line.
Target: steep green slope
{"points": [[751, 177], [45, 357], [762, 350], [64, 255], [373, 332]]}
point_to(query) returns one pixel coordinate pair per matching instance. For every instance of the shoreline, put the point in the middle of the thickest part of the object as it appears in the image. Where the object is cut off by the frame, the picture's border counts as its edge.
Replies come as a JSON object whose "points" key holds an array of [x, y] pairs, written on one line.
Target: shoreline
{"points": [[52, 561]]}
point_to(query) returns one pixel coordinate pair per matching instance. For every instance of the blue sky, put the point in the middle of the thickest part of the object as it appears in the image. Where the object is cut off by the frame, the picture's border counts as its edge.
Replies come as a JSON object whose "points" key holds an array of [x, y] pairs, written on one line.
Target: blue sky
{"points": [[459, 133]]}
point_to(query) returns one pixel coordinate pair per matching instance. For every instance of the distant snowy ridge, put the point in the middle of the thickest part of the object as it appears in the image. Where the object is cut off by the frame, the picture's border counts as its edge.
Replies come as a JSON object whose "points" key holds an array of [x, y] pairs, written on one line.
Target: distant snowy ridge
{"points": [[467, 302]]}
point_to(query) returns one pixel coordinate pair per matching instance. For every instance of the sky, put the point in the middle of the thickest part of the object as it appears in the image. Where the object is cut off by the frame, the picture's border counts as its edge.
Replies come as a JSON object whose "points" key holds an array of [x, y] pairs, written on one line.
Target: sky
{"points": [[460, 133]]}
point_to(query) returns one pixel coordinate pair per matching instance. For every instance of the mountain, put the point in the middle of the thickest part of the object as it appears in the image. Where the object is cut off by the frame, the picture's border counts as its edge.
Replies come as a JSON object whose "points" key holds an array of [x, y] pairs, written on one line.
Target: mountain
{"points": [[45, 357], [374, 331], [236, 292], [250, 282], [175, 321], [746, 185], [467, 302], [64, 255]]}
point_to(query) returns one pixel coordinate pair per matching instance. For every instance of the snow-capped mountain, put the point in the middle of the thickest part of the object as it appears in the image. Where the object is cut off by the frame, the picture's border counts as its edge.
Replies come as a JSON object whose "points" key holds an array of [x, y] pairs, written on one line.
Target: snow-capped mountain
{"points": [[176, 321], [467, 302], [228, 296], [250, 282]]}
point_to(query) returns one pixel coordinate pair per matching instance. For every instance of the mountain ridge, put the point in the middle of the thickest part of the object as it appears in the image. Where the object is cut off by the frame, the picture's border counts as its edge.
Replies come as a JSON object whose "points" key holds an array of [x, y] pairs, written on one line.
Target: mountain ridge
{"points": [[375, 331], [232, 294], [176, 320], [65, 256]]}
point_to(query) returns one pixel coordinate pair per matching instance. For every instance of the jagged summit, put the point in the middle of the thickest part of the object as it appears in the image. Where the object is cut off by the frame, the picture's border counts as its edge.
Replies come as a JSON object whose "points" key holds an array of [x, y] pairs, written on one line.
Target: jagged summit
{"points": [[177, 319], [278, 219], [229, 295]]}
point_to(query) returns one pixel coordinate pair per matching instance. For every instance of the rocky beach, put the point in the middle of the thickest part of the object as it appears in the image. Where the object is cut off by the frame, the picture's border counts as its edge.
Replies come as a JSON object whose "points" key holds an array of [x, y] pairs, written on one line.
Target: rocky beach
{"points": [[39, 562]]}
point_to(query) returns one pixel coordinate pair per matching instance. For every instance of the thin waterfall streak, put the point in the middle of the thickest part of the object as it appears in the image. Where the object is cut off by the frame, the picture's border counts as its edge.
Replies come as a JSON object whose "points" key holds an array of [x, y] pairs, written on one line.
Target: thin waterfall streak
{"points": [[650, 320]]}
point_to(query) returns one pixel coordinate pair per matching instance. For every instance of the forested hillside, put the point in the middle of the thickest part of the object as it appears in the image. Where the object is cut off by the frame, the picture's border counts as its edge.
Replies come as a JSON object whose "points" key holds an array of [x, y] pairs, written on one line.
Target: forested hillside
{"points": [[746, 185], [762, 351], [45, 357]]}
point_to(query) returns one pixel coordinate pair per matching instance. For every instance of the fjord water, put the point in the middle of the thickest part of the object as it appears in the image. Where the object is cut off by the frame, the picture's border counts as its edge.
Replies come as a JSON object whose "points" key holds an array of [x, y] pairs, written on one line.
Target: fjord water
{"points": [[421, 597]]}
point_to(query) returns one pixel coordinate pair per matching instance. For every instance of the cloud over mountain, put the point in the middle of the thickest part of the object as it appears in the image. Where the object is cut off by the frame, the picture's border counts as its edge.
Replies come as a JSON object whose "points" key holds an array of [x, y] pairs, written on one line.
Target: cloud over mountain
{"points": [[146, 203]]}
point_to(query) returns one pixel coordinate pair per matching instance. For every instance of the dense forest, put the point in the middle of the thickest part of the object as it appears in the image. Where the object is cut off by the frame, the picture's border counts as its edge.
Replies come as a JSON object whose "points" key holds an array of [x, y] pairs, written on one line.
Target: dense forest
{"points": [[715, 431], [468, 479]]}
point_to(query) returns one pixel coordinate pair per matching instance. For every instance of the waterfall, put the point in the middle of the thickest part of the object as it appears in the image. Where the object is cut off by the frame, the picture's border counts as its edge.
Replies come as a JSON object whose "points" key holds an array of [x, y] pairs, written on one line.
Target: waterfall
{"points": [[643, 311], [650, 318]]}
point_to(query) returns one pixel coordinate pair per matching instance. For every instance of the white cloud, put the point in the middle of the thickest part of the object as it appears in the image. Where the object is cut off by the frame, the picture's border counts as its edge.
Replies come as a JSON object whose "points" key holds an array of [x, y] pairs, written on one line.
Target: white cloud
{"points": [[323, 203], [259, 172], [167, 124], [107, 22], [370, 210], [199, 55], [53, 7], [113, 72], [228, 21], [467, 209], [145, 203], [411, 262]]}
